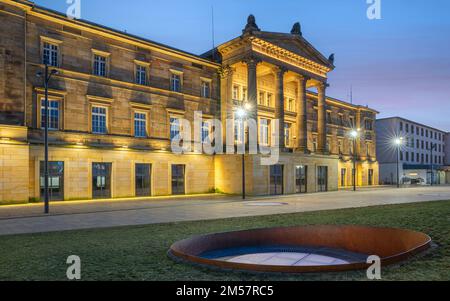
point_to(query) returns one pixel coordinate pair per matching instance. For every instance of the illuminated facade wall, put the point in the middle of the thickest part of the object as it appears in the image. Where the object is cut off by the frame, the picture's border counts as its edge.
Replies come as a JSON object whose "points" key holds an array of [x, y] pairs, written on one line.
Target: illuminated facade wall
{"points": [[108, 82]]}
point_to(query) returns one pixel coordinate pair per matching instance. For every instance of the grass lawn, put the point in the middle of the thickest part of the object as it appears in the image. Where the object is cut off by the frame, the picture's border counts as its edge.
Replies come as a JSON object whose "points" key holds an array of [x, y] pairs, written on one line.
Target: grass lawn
{"points": [[139, 252]]}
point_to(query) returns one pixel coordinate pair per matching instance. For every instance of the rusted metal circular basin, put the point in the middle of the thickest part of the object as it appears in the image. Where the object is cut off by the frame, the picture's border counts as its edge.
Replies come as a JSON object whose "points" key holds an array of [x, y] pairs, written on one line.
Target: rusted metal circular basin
{"points": [[301, 249]]}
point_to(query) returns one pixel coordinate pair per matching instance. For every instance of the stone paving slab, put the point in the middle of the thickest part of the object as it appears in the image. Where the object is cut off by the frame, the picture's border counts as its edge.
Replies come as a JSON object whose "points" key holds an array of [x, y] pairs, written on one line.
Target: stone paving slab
{"points": [[94, 214]]}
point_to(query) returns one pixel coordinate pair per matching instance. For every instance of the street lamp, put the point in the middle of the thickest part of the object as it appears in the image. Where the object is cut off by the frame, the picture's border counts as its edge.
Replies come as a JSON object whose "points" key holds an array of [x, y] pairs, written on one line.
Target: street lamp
{"points": [[242, 114], [398, 142], [47, 75], [354, 134]]}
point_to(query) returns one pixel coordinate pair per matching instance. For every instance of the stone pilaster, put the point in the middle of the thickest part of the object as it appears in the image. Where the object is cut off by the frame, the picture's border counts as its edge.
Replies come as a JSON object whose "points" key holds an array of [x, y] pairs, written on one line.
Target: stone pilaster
{"points": [[321, 120], [302, 115], [279, 104], [252, 88], [226, 101]]}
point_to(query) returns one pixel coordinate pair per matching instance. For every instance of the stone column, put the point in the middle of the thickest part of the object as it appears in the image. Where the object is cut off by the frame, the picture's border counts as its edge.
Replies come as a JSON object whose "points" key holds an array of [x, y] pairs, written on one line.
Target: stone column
{"points": [[302, 115], [322, 116], [279, 103], [226, 102], [252, 88]]}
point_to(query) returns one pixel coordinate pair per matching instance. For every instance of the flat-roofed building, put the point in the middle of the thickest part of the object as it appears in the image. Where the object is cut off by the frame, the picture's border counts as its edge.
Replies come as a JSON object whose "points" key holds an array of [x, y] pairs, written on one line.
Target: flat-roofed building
{"points": [[421, 155]]}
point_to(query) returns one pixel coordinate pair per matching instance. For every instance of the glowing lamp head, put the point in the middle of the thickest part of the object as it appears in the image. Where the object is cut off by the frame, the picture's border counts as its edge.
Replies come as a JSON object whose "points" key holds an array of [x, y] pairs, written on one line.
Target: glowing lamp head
{"points": [[241, 113], [398, 141], [354, 133]]}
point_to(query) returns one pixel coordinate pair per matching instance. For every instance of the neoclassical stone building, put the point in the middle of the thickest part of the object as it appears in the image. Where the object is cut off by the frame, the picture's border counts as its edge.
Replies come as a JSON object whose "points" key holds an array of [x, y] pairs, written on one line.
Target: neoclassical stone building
{"points": [[116, 101]]}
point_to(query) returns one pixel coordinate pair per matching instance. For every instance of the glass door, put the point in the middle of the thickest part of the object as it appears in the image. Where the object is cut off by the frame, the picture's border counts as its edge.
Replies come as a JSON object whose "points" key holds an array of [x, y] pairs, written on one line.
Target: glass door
{"points": [[322, 178], [343, 177], [178, 179], [276, 179], [370, 177], [101, 180], [301, 181], [55, 180], [143, 179]]}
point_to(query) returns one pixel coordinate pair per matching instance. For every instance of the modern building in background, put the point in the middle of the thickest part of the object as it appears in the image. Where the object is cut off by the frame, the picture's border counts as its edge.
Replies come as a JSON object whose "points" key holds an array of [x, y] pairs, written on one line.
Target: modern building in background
{"points": [[422, 154], [117, 101]]}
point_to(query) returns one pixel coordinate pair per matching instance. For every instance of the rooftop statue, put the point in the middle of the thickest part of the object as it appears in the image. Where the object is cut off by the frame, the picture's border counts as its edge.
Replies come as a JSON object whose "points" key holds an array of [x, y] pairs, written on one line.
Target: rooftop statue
{"points": [[251, 25]]}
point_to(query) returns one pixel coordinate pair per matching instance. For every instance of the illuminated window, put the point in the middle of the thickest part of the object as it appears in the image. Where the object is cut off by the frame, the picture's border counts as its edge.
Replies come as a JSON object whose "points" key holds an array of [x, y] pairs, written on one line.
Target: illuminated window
{"points": [[206, 131], [140, 125], [235, 92], [238, 130], [287, 134], [99, 120], [53, 114], [264, 132], [175, 127], [262, 98]]}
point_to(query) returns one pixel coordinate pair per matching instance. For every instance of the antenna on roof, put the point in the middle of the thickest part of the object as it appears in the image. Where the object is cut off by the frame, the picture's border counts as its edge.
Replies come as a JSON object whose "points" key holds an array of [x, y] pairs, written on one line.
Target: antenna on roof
{"points": [[351, 94], [213, 34]]}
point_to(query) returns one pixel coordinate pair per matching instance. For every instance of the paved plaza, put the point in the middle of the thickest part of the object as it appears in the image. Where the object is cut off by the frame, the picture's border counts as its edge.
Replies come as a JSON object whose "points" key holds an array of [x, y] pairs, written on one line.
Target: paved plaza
{"points": [[21, 219]]}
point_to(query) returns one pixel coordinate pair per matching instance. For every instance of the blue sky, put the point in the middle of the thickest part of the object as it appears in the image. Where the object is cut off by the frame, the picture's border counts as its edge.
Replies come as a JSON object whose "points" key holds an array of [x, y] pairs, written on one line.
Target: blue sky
{"points": [[399, 65]]}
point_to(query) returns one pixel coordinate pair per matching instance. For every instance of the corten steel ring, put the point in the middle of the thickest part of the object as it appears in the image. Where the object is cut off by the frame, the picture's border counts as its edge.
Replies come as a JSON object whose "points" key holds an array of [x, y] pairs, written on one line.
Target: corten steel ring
{"points": [[391, 245]]}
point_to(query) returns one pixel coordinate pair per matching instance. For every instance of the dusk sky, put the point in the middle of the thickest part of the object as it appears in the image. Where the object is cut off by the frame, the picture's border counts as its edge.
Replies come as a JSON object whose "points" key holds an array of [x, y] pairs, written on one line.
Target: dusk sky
{"points": [[399, 65]]}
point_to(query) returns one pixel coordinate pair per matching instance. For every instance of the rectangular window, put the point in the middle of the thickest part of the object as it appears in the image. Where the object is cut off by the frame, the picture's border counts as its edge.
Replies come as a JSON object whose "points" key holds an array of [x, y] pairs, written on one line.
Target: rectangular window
{"points": [[276, 180], [269, 99], [99, 120], [287, 134], [206, 89], [206, 131], [401, 126], [262, 98], [244, 94], [175, 127], [238, 130], [175, 82], [291, 105], [341, 120], [264, 132], [412, 157], [140, 125], [329, 118], [340, 147], [141, 75], [55, 180], [236, 92], [143, 180], [352, 122], [369, 125], [301, 179], [100, 65], [178, 179], [53, 114], [50, 54]]}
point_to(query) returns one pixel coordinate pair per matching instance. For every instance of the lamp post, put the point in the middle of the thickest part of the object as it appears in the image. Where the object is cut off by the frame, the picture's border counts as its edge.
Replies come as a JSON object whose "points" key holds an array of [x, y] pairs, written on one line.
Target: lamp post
{"points": [[47, 76], [242, 114], [354, 134], [398, 142]]}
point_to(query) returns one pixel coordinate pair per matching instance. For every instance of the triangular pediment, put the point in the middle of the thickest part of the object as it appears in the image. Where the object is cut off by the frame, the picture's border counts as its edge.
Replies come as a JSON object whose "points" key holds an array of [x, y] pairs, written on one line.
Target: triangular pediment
{"points": [[295, 44]]}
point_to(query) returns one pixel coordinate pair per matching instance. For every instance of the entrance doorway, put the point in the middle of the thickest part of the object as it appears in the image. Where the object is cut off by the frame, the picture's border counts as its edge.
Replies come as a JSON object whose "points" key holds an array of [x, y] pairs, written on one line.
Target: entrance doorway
{"points": [[276, 179], [101, 180], [143, 180]]}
